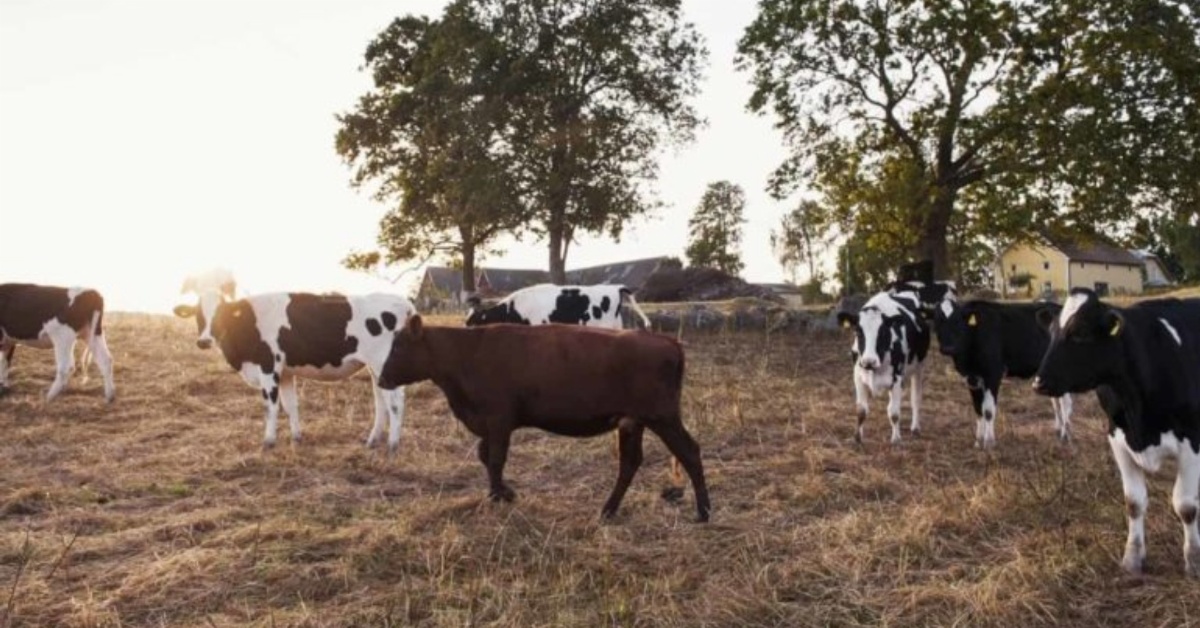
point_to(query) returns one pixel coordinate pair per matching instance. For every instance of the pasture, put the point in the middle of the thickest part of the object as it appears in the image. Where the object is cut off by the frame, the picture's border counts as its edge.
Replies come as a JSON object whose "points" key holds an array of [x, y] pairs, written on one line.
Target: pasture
{"points": [[164, 510]]}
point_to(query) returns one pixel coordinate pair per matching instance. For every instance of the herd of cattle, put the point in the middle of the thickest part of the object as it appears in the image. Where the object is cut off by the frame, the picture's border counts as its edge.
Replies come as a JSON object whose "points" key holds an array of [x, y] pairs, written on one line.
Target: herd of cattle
{"points": [[589, 376]]}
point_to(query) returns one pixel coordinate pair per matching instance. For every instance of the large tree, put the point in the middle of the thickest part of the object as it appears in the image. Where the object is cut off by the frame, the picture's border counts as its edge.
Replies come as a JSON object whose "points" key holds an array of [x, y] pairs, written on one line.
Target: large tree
{"points": [[594, 90], [430, 136], [1071, 107], [801, 238], [715, 228]]}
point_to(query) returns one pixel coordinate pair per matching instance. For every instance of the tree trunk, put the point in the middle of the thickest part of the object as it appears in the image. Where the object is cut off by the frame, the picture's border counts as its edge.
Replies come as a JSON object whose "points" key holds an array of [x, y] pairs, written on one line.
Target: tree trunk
{"points": [[468, 260], [933, 245]]}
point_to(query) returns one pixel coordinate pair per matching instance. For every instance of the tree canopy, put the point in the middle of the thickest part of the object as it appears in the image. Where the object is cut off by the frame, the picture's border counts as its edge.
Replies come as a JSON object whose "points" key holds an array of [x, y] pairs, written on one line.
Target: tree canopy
{"points": [[430, 136], [715, 229], [933, 126]]}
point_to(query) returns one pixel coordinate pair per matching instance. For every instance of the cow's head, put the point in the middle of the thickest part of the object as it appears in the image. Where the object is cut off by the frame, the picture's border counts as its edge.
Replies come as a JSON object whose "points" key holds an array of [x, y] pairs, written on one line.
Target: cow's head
{"points": [[410, 359], [212, 289], [952, 326], [503, 312], [1085, 345], [872, 336]]}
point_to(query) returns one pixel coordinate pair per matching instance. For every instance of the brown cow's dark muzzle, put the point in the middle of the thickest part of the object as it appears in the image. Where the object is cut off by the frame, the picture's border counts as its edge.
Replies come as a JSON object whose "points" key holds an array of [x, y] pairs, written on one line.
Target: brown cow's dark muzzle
{"points": [[204, 343]]}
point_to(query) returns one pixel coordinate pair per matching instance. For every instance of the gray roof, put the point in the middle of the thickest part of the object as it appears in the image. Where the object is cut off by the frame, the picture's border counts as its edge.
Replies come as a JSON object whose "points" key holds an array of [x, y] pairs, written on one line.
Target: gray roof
{"points": [[632, 274], [1094, 249], [444, 278], [505, 280]]}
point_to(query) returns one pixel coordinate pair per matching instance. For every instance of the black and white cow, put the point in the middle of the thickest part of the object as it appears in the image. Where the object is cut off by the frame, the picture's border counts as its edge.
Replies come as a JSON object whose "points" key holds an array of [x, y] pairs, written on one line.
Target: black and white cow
{"points": [[592, 306], [52, 317], [1144, 364], [991, 341], [890, 345], [274, 338]]}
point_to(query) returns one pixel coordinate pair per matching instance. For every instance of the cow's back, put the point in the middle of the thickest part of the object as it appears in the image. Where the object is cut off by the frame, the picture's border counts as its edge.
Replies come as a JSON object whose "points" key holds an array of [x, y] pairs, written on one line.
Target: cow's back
{"points": [[1163, 347], [25, 308], [565, 367]]}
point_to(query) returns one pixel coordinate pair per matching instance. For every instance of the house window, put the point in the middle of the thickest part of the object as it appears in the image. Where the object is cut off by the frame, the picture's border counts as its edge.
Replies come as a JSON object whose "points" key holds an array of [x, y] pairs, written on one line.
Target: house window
{"points": [[1045, 265], [1101, 288]]}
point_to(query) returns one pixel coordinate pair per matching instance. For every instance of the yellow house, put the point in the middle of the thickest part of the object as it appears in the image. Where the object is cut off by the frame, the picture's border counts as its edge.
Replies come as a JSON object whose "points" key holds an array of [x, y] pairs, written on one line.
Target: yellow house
{"points": [[1059, 265]]}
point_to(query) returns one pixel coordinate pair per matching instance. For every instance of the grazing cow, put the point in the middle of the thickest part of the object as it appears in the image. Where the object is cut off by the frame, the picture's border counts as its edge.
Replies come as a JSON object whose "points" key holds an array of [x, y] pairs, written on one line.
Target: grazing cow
{"points": [[1144, 364], [564, 379], [272, 339], [991, 341], [891, 341], [53, 317], [592, 306]]}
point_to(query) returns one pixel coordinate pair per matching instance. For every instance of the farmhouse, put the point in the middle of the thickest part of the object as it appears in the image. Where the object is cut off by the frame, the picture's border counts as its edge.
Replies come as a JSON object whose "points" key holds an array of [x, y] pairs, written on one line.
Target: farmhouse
{"points": [[1057, 264], [441, 287]]}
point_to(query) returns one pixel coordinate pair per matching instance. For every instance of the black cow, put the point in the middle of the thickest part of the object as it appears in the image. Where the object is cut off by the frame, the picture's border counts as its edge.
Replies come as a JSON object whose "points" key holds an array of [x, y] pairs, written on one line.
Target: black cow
{"points": [[1144, 364], [991, 341], [590, 306], [890, 345], [271, 339], [52, 317]]}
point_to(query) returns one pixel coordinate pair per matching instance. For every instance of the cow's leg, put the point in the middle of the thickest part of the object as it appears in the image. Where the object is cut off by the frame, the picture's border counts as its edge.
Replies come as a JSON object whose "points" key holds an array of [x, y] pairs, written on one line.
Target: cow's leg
{"points": [[1062, 417], [63, 339], [381, 412], [7, 350], [977, 403], [270, 394], [988, 413], [85, 358], [1186, 500], [493, 453], [291, 405], [104, 360], [861, 396], [1133, 481], [915, 394], [629, 435], [895, 394], [395, 412], [681, 445]]}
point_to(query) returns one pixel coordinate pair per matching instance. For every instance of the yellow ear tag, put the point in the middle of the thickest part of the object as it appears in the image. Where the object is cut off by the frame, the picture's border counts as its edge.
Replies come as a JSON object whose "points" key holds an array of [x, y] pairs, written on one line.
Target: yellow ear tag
{"points": [[845, 324], [971, 322], [1116, 328]]}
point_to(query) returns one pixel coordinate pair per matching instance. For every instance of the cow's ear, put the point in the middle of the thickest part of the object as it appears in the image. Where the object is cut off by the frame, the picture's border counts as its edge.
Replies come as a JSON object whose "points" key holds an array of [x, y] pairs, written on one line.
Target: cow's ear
{"points": [[1045, 317], [414, 325], [229, 288], [185, 311], [1114, 322], [847, 320]]}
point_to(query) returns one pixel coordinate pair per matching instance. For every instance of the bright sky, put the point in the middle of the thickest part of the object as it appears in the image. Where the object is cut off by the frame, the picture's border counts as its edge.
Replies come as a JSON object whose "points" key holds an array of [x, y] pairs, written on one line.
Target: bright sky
{"points": [[143, 140]]}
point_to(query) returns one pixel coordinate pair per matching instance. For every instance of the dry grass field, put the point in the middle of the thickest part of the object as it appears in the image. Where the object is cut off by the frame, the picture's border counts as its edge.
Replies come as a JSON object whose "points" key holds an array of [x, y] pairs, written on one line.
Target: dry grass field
{"points": [[162, 509]]}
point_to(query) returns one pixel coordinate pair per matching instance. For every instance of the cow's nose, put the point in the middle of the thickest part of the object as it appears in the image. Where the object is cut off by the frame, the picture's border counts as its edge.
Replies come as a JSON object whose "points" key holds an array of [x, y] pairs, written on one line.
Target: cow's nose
{"points": [[1039, 386], [869, 365], [204, 343]]}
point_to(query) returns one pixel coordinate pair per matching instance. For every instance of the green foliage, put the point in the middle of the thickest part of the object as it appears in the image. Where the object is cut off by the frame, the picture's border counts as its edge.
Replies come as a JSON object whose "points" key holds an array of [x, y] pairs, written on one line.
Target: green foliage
{"points": [[944, 130], [429, 136], [802, 238], [715, 229], [592, 89]]}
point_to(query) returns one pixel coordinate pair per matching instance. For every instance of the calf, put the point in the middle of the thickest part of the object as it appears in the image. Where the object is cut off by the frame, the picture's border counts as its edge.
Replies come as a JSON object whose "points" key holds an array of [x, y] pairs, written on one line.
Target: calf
{"points": [[891, 341], [564, 379], [272, 339], [53, 317], [991, 341], [1144, 364], [592, 306]]}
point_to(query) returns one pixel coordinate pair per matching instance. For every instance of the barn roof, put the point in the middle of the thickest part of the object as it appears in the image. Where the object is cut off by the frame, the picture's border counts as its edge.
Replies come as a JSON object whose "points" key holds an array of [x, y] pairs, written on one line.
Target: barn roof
{"points": [[632, 274], [505, 280], [444, 279], [1092, 248]]}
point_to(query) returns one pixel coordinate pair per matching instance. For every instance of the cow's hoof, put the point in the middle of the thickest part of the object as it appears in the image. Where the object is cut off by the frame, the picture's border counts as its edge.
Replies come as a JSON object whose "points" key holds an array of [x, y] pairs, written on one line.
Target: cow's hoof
{"points": [[504, 494], [371, 442], [858, 437], [393, 449], [916, 432], [607, 514], [268, 445], [1192, 563], [4, 390], [702, 517], [672, 493], [1132, 564], [296, 440]]}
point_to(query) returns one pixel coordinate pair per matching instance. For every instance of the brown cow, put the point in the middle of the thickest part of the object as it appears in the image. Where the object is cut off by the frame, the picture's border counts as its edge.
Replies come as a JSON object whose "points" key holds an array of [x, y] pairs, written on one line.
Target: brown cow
{"points": [[565, 379]]}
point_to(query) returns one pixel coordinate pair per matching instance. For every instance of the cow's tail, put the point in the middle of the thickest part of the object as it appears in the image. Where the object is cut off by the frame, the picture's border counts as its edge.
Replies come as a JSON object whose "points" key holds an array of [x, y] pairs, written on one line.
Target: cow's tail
{"points": [[627, 295]]}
